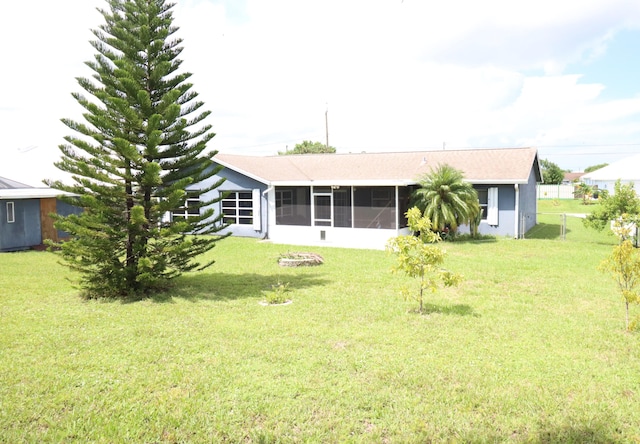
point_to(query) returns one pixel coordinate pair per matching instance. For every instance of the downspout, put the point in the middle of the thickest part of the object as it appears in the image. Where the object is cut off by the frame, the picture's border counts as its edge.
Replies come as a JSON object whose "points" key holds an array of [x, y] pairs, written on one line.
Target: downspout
{"points": [[265, 193], [517, 212], [397, 211]]}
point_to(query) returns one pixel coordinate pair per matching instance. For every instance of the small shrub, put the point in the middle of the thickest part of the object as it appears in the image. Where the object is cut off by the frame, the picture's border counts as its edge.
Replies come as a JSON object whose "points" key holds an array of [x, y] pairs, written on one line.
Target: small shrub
{"points": [[278, 293], [624, 267], [470, 237]]}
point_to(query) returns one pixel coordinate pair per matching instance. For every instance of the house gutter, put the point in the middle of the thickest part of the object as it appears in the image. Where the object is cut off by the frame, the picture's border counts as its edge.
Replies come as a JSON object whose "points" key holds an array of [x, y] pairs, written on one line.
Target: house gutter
{"points": [[517, 212]]}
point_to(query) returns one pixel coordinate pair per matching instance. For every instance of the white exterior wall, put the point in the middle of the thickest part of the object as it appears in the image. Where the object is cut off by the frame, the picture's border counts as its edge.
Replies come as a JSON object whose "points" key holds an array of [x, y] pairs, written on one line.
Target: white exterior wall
{"points": [[609, 185], [366, 238]]}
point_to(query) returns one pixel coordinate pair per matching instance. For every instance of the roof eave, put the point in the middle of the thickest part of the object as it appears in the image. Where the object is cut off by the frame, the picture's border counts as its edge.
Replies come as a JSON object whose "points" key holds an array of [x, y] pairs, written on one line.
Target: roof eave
{"points": [[497, 181], [343, 182], [241, 171]]}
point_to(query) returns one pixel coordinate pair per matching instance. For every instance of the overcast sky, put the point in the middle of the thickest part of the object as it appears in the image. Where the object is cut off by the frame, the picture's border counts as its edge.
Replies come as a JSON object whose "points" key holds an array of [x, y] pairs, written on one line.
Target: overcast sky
{"points": [[395, 75]]}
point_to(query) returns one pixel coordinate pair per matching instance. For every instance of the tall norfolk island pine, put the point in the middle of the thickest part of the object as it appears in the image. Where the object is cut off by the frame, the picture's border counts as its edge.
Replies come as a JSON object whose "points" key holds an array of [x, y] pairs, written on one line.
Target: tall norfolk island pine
{"points": [[134, 158]]}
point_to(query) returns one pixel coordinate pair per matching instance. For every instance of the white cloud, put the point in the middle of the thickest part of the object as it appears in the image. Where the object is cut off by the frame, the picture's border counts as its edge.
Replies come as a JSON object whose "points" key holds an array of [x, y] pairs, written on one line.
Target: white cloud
{"points": [[395, 74]]}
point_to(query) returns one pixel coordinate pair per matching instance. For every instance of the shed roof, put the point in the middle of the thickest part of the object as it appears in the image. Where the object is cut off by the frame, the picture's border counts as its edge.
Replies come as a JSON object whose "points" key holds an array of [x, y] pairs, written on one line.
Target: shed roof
{"points": [[496, 166], [11, 184], [11, 189], [30, 193]]}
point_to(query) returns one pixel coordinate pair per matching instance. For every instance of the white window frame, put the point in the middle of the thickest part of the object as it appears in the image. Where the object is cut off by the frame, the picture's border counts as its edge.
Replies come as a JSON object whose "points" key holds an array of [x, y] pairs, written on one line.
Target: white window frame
{"points": [[233, 204], [183, 212], [492, 206], [11, 212], [322, 192]]}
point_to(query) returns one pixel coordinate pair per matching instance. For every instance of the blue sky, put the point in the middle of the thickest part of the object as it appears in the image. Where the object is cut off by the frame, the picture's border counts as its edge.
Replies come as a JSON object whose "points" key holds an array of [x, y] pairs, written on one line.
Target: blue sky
{"points": [[618, 67], [395, 75]]}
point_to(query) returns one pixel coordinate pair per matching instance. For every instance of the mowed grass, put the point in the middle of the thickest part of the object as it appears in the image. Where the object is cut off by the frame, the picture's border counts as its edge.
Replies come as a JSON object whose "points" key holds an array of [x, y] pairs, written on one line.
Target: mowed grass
{"points": [[530, 347]]}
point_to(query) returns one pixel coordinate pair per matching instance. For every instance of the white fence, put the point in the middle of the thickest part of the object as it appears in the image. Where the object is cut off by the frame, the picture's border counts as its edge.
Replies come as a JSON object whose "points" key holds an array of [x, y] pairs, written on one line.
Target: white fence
{"points": [[555, 191]]}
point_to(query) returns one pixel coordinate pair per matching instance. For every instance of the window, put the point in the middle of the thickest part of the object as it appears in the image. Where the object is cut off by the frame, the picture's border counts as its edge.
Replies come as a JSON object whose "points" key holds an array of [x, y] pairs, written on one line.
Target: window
{"points": [[322, 210], [293, 206], [191, 206], [342, 207], [483, 194], [374, 207], [488, 198], [404, 200], [11, 213], [284, 203], [237, 208]]}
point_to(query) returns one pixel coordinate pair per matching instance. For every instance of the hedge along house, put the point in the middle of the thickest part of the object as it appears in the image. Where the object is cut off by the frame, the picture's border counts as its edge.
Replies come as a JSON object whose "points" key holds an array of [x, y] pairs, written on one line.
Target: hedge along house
{"points": [[360, 200], [25, 220]]}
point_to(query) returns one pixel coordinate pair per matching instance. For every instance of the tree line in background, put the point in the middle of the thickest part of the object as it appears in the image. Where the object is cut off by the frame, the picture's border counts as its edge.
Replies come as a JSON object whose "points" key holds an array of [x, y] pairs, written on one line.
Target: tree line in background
{"points": [[309, 147], [552, 174]]}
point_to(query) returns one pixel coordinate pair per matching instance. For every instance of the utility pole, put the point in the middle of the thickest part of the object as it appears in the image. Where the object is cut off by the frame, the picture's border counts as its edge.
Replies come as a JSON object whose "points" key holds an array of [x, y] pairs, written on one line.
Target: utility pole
{"points": [[326, 124]]}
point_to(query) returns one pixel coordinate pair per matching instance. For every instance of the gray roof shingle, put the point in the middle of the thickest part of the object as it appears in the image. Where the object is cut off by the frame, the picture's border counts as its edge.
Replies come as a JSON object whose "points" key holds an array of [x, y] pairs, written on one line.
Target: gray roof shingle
{"points": [[504, 165]]}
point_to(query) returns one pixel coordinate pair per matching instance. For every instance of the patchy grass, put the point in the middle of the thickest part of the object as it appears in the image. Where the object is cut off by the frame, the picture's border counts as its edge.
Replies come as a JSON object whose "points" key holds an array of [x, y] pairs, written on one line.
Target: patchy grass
{"points": [[530, 347]]}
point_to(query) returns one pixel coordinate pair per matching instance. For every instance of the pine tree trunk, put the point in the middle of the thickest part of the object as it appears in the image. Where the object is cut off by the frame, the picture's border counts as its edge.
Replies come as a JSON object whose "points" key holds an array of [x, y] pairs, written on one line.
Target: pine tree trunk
{"points": [[130, 260]]}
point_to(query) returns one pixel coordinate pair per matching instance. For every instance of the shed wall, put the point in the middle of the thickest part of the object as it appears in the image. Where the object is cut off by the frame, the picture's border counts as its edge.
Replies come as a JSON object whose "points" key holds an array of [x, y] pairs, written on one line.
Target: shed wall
{"points": [[25, 231]]}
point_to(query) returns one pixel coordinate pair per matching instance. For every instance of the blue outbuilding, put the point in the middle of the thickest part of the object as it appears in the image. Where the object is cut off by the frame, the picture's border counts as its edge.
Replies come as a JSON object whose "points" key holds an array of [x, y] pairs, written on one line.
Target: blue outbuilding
{"points": [[25, 220]]}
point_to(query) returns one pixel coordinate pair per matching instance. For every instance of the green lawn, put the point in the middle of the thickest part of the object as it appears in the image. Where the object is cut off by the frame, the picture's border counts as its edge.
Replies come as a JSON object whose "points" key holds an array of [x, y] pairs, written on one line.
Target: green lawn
{"points": [[565, 206], [561, 219], [530, 347]]}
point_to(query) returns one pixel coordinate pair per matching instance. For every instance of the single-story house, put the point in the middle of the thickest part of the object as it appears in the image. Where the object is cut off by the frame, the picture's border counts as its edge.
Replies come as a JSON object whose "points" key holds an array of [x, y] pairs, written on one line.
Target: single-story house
{"points": [[571, 178], [360, 200], [626, 170], [24, 215]]}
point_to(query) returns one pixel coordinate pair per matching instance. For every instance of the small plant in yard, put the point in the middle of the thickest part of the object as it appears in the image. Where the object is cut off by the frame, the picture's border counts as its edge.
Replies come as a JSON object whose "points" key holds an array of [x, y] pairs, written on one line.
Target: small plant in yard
{"points": [[278, 293], [624, 266], [585, 192], [420, 258]]}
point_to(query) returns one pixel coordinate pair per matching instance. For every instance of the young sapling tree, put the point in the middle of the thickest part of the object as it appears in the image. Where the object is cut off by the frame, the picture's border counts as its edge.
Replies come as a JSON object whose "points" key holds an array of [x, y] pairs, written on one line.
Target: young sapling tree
{"points": [[624, 266], [419, 257]]}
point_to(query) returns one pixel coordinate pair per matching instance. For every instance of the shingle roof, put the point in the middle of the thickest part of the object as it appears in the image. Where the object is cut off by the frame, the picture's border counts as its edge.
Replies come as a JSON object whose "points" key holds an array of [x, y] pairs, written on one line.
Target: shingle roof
{"points": [[571, 177], [504, 165]]}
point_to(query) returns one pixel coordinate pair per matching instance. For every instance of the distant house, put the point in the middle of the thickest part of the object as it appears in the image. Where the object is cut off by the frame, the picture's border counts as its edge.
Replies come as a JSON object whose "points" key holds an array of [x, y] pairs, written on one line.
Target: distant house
{"points": [[626, 170], [571, 178], [24, 215], [360, 200]]}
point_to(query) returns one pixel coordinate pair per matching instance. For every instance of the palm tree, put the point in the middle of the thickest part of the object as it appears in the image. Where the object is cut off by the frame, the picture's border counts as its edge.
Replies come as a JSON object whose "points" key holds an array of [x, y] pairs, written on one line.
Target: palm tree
{"points": [[584, 190], [447, 199]]}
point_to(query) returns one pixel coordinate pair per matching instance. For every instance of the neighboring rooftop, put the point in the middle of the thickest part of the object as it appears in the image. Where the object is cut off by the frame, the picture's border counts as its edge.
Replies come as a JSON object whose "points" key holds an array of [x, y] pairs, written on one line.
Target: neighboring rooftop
{"points": [[11, 189], [627, 169], [572, 177], [505, 165], [7, 184]]}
